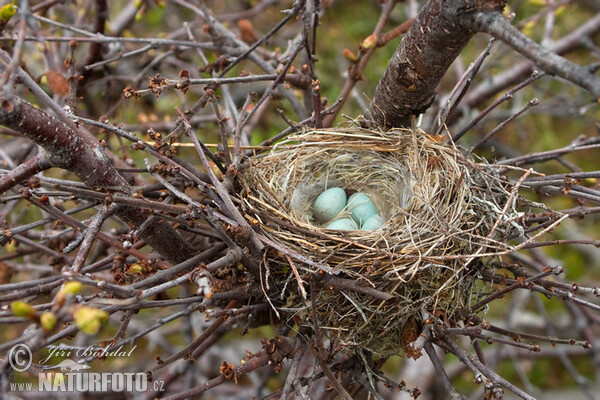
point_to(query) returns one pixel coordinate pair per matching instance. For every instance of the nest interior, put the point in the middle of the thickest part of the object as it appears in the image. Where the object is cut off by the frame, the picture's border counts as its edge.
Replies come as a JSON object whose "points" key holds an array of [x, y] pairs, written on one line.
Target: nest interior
{"points": [[443, 213]]}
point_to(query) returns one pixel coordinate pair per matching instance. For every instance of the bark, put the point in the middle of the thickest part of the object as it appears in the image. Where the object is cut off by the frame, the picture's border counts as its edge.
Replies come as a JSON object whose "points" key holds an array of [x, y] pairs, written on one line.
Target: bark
{"points": [[64, 148], [438, 35], [434, 40], [22, 172]]}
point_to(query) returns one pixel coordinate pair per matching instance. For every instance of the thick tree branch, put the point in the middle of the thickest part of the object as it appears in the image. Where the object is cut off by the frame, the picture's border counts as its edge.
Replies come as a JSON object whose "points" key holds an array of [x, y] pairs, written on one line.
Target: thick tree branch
{"points": [[64, 148], [434, 40]]}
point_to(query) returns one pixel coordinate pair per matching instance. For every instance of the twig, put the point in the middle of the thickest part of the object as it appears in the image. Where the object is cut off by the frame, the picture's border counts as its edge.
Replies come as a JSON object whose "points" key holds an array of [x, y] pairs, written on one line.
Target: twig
{"points": [[531, 103], [222, 129], [8, 78], [353, 285], [291, 129], [23, 172], [437, 364], [507, 96], [495, 24], [516, 285], [478, 366], [90, 235], [292, 373], [230, 208], [461, 88], [187, 351], [333, 380]]}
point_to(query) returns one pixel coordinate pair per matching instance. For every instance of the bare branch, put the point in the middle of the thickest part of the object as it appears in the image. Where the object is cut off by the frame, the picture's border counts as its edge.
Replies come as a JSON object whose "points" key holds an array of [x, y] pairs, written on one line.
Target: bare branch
{"points": [[434, 40], [496, 25], [66, 149]]}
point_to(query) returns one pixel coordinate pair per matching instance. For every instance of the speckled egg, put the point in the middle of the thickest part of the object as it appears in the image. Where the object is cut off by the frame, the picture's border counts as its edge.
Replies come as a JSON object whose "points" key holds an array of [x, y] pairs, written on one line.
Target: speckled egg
{"points": [[343, 224], [329, 204], [372, 223], [361, 207]]}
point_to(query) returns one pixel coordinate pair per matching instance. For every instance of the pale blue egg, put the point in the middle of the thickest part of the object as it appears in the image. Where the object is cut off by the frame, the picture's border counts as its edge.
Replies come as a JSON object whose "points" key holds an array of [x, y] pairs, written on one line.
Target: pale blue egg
{"points": [[372, 223], [361, 207], [329, 204], [343, 224]]}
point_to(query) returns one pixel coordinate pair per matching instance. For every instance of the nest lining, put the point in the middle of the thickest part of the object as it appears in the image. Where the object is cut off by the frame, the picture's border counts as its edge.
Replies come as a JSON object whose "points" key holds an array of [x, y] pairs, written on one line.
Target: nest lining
{"points": [[441, 210]]}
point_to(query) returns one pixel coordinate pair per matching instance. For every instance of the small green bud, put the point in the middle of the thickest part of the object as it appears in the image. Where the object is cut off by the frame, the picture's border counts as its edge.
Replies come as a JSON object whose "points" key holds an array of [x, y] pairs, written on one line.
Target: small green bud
{"points": [[370, 42], [48, 321], [72, 287], [135, 269], [349, 55], [7, 12], [22, 309], [89, 320]]}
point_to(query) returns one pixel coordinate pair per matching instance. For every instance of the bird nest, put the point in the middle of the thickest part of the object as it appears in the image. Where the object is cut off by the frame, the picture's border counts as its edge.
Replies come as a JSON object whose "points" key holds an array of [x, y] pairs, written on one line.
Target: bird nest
{"points": [[445, 216]]}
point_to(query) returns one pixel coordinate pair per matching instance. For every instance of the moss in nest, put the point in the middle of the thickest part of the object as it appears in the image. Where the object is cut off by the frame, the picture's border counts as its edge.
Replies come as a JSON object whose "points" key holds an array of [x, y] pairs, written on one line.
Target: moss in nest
{"points": [[442, 212]]}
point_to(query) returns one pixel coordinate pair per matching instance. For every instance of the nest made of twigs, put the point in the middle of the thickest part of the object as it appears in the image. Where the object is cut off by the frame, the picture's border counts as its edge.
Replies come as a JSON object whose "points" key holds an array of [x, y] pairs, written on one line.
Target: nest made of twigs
{"points": [[442, 211]]}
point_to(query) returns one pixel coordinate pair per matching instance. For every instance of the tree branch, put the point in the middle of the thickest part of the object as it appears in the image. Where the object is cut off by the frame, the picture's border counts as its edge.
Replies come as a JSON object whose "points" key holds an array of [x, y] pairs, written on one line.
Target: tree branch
{"points": [[434, 40], [496, 25], [520, 71], [23, 172], [64, 148]]}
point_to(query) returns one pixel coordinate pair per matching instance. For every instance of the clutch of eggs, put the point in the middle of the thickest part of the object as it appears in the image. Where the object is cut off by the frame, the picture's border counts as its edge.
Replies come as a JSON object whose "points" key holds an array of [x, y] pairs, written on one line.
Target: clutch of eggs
{"points": [[333, 201]]}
